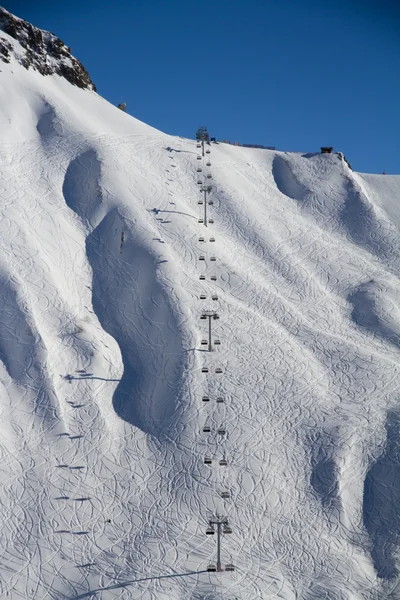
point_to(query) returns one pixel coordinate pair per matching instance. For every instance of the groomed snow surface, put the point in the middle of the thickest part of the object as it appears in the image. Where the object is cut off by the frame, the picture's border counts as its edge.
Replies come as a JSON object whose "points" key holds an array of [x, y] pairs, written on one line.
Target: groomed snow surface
{"points": [[104, 490]]}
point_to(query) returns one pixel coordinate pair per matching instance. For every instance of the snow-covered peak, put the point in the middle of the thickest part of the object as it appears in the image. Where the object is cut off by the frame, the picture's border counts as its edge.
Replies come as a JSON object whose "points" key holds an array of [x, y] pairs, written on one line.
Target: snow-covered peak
{"points": [[40, 50]]}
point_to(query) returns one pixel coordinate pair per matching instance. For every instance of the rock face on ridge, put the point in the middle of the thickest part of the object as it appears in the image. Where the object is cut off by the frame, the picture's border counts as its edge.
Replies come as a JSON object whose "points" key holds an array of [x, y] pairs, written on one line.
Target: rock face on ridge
{"points": [[41, 50]]}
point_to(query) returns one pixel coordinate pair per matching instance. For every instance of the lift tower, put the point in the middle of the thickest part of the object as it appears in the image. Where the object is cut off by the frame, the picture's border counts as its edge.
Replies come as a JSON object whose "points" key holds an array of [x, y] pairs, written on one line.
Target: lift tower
{"points": [[206, 189], [202, 136], [222, 527], [210, 315]]}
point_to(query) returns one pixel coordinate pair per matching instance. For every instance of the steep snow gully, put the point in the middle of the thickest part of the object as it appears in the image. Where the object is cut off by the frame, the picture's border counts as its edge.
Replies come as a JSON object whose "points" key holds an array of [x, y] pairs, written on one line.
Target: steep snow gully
{"points": [[122, 435]]}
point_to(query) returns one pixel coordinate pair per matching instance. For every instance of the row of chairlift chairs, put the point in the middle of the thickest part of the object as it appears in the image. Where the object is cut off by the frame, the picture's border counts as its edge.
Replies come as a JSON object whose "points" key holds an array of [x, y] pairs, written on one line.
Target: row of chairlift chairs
{"points": [[213, 277], [207, 429], [220, 430]]}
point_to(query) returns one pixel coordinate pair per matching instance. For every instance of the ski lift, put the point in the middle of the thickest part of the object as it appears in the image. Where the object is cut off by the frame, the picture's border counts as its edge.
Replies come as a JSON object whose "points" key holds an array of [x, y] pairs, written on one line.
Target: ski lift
{"points": [[225, 495], [204, 342], [212, 239], [211, 568], [200, 221], [206, 399], [213, 259], [199, 169], [213, 297], [203, 297], [208, 163], [220, 400], [206, 429], [211, 221], [201, 239], [203, 316], [204, 370], [202, 258], [199, 201], [209, 176], [229, 567], [211, 202], [213, 278], [221, 430], [207, 151], [218, 370], [215, 317], [217, 342], [207, 461], [198, 157], [223, 462], [202, 277], [198, 145], [199, 182], [227, 529]]}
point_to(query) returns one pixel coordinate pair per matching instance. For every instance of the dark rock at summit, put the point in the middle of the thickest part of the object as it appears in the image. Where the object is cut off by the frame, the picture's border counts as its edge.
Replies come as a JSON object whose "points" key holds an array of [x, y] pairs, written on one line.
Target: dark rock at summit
{"points": [[40, 50]]}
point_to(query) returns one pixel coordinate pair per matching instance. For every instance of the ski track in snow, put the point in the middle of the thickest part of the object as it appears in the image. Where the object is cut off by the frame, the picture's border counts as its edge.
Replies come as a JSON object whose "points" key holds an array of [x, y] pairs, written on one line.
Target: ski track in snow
{"points": [[102, 447]]}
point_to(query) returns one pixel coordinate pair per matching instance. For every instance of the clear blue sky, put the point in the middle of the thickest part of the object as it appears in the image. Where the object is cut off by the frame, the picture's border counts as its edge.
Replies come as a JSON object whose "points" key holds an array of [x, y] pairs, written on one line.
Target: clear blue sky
{"points": [[295, 74]]}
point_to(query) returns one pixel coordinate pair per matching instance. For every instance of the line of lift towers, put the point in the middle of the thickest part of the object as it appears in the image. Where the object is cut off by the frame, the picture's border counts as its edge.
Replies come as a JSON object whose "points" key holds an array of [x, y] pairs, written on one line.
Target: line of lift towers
{"points": [[217, 524]]}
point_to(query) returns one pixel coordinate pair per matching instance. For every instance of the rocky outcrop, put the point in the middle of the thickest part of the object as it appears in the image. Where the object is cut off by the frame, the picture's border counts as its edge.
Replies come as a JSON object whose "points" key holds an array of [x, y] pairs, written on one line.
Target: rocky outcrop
{"points": [[41, 50]]}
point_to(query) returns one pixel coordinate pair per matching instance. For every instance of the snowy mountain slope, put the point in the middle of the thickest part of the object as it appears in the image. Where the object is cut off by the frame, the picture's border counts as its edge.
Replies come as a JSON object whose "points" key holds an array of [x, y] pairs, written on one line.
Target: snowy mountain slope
{"points": [[102, 443]]}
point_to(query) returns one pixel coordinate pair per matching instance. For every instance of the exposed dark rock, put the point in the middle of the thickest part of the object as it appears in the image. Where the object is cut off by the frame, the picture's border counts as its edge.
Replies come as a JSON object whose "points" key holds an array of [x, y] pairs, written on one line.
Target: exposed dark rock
{"points": [[42, 51], [342, 157], [5, 50]]}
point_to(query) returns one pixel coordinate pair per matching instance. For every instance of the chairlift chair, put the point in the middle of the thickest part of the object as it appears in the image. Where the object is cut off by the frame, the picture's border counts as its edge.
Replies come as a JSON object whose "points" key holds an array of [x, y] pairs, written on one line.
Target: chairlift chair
{"points": [[207, 151], [204, 370], [211, 202], [213, 259], [208, 163], [210, 530], [200, 221], [202, 277], [203, 316], [229, 567], [203, 297], [215, 317], [212, 239], [199, 169], [206, 399], [211, 568], [209, 176], [227, 529], [198, 157], [220, 400], [213, 278], [202, 258], [206, 429], [211, 221], [199, 201], [223, 462], [207, 460], [204, 342], [199, 182], [213, 297], [218, 370], [201, 239], [217, 342], [221, 431], [198, 145], [225, 495]]}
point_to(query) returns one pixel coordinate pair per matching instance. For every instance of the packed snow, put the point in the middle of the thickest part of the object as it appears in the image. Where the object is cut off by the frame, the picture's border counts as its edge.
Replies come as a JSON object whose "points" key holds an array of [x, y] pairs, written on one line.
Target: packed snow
{"points": [[105, 493]]}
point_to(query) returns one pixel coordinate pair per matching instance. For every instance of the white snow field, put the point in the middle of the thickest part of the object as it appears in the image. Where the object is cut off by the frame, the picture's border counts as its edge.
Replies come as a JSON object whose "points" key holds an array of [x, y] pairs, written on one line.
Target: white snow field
{"points": [[104, 491]]}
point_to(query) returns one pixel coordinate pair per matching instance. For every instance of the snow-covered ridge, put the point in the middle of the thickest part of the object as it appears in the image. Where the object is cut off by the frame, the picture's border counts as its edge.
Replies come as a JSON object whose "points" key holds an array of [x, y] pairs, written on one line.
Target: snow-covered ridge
{"points": [[40, 50]]}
